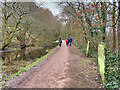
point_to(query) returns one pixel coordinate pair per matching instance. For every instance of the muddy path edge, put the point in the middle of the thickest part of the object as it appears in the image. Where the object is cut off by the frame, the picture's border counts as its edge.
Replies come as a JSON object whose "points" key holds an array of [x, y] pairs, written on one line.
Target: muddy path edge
{"points": [[14, 82]]}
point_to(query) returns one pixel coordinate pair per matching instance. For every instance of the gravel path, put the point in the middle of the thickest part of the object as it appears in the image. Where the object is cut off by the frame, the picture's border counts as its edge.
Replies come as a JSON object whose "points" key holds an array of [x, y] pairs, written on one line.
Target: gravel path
{"points": [[52, 72]]}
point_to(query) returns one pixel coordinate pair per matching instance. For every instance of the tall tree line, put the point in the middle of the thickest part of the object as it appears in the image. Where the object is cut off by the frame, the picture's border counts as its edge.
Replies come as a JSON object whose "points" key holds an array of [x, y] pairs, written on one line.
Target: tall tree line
{"points": [[26, 24], [94, 21]]}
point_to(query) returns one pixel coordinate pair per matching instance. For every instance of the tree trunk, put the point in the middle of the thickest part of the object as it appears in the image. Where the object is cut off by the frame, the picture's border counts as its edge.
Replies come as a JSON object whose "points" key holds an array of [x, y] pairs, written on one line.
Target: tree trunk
{"points": [[104, 19], [22, 53], [113, 24], [23, 45], [88, 21], [118, 31]]}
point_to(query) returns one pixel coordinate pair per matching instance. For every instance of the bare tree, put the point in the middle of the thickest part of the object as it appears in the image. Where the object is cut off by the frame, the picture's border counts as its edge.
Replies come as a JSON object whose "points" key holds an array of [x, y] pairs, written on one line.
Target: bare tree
{"points": [[11, 9], [113, 24], [118, 31]]}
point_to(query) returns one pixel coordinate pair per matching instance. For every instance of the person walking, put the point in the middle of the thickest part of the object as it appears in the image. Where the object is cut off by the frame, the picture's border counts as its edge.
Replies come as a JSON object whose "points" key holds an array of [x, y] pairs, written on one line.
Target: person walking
{"points": [[67, 41], [70, 39], [60, 42]]}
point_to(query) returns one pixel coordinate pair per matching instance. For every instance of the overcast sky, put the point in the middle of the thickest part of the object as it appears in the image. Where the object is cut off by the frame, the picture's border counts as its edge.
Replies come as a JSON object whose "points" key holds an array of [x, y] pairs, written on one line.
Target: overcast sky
{"points": [[53, 7]]}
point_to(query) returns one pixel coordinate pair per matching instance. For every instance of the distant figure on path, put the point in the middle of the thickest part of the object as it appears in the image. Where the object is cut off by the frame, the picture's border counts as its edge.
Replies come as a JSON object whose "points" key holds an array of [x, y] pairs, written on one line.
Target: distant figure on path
{"points": [[67, 41], [60, 41], [70, 40]]}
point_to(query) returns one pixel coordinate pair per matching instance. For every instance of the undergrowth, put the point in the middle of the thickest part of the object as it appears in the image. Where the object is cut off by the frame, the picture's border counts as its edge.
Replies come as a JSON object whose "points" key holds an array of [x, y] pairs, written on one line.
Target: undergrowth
{"points": [[112, 64], [26, 68], [112, 70]]}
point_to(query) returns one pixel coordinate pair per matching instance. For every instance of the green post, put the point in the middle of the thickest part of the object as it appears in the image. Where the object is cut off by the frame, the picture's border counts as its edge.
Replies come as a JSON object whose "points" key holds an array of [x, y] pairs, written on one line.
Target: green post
{"points": [[101, 59], [87, 50]]}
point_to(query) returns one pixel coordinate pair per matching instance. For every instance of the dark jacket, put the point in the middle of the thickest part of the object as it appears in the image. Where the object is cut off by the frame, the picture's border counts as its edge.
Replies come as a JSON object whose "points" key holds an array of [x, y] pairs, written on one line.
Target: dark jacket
{"points": [[60, 40]]}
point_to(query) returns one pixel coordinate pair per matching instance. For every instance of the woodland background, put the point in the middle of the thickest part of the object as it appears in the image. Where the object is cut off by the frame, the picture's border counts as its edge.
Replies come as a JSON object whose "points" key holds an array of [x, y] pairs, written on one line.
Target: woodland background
{"points": [[29, 31]]}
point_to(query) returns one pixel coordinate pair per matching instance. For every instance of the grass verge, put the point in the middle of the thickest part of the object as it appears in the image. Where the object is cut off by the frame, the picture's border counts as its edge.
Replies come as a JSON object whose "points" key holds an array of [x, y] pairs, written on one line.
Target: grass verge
{"points": [[26, 68]]}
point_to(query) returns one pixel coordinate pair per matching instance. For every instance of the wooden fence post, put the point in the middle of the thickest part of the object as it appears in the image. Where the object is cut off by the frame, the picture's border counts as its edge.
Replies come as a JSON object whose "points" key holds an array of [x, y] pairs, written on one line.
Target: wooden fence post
{"points": [[101, 60], [87, 50]]}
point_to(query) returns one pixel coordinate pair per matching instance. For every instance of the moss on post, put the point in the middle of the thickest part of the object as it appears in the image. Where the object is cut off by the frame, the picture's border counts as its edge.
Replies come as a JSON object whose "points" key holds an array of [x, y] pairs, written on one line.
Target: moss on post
{"points": [[101, 59]]}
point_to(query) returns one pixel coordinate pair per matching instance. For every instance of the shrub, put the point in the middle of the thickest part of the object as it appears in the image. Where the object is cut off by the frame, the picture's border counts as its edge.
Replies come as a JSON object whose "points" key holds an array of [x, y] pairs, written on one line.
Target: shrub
{"points": [[23, 69], [17, 74], [112, 70]]}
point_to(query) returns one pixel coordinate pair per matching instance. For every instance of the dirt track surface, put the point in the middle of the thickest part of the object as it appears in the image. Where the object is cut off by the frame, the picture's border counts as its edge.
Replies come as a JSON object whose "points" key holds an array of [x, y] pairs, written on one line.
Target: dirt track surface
{"points": [[55, 72]]}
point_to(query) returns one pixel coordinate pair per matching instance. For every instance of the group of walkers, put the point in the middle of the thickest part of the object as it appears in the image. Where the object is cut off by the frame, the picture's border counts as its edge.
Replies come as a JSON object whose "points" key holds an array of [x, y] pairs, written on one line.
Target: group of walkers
{"points": [[68, 40]]}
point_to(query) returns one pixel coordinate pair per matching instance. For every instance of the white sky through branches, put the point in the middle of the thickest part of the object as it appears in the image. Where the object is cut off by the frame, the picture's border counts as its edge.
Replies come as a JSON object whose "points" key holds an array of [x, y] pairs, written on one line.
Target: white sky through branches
{"points": [[53, 7]]}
